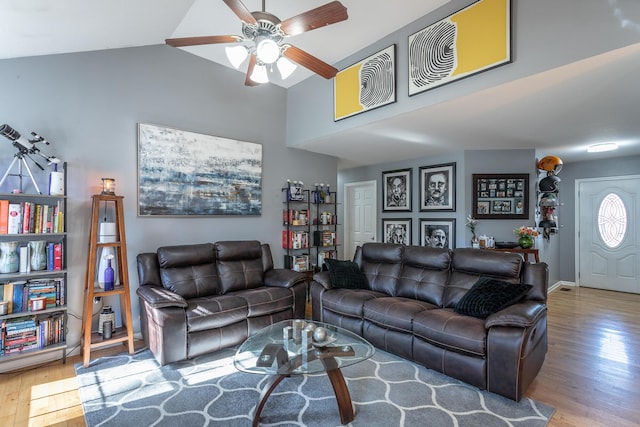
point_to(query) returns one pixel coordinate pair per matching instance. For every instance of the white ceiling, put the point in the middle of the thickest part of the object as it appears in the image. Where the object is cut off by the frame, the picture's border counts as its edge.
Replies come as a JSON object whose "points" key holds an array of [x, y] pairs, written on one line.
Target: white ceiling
{"points": [[592, 101]]}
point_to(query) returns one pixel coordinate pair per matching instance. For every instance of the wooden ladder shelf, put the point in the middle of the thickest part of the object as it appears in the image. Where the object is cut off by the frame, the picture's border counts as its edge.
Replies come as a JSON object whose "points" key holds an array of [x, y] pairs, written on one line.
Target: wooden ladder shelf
{"points": [[91, 340]]}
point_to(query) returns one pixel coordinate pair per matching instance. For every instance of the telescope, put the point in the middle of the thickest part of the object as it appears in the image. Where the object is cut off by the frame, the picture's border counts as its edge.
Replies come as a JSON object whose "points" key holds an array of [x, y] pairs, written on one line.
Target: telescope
{"points": [[26, 148]]}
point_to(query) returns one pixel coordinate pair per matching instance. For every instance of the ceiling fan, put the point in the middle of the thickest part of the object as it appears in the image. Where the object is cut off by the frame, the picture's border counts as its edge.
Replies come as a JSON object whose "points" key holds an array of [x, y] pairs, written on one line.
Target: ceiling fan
{"points": [[263, 37]]}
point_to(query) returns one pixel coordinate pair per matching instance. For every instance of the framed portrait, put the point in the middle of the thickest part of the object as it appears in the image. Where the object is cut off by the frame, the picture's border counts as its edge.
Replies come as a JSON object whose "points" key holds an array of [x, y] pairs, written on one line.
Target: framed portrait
{"points": [[367, 84], [501, 196], [472, 40], [438, 233], [396, 190], [183, 174], [438, 187], [396, 230]]}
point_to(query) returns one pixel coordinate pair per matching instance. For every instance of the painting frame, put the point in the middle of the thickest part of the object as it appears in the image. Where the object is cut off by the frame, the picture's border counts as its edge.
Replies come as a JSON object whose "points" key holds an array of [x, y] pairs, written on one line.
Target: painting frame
{"points": [[183, 174], [391, 201], [446, 225], [453, 42], [500, 196], [366, 85], [435, 199], [390, 225]]}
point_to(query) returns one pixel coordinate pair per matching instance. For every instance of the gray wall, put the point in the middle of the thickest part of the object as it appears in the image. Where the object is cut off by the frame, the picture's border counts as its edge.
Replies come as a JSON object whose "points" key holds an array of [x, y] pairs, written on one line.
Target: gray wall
{"points": [[88, 105]]}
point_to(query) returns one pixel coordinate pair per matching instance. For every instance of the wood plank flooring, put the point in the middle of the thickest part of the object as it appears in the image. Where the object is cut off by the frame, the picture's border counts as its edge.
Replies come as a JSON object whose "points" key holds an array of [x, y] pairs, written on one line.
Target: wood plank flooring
{"points": [[591, 374]]}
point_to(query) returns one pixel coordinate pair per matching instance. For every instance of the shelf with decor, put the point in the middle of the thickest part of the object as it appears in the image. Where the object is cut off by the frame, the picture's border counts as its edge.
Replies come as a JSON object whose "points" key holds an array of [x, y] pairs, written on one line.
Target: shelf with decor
{"points": [[296, 227], [325, 225], [33, 277]]}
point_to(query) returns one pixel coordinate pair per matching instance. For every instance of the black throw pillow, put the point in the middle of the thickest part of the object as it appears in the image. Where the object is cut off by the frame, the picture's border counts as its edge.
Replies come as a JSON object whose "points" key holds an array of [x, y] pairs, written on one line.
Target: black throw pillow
{"points": [[345, 274], [488, 296]]}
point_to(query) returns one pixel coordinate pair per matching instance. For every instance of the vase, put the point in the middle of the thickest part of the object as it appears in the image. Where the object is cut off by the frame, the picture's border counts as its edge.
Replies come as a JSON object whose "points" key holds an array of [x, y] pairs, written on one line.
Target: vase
{"points": [[108, 277], [38, 259], [9, 260], [475, 243], [526, 242]]}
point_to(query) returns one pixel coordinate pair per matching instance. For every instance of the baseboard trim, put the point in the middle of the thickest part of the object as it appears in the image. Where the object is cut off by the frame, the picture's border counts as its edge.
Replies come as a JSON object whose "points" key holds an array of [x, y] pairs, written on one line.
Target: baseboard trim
{"points": [[559, 284]]}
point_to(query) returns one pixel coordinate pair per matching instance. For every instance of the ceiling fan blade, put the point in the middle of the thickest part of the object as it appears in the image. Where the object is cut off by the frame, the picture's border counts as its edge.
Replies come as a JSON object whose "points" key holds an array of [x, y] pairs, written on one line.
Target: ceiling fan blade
{"points": [[309, 61], [195, 41], [321, 16], [252, 63], [241, 11]]}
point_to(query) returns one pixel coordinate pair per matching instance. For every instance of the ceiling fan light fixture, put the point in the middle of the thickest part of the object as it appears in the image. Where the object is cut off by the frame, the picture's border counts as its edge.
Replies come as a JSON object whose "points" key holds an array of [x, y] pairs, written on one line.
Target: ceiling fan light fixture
{"points": [[600, 148], [259, 74], [267, 50], [285, 67], [236, 55]]}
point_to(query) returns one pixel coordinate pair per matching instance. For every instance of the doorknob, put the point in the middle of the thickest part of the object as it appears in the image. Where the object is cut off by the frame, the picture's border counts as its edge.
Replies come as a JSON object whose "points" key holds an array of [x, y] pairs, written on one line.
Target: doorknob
{"points": [[373, 239]]}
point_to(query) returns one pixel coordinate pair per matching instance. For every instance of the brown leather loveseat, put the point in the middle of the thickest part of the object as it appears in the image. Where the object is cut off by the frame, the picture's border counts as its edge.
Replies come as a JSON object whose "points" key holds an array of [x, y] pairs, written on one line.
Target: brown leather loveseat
{"points": [[199, 298], [412, 303]]}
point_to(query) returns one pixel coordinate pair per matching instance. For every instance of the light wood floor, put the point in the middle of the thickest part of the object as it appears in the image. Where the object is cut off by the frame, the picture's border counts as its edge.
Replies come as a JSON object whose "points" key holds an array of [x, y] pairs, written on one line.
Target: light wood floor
{"points": [[591, 374]]}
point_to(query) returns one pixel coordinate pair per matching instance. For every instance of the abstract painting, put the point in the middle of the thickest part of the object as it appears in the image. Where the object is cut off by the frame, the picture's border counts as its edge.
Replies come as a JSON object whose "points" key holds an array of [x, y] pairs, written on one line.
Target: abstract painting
{"points": [[184, 173], [366, 85], [467, 42]]}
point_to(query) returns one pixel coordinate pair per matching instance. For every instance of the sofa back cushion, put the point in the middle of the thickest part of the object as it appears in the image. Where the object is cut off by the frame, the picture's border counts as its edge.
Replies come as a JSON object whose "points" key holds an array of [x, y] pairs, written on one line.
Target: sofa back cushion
{"points": [[424, 275], [382, 264], [189, 270], [239, 264], [470, 264]]}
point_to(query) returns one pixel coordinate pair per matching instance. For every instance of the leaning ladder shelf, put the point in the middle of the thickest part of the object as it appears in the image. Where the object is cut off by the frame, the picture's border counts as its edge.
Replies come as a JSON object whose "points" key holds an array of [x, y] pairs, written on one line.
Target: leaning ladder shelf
{"points": [[91, 339]]}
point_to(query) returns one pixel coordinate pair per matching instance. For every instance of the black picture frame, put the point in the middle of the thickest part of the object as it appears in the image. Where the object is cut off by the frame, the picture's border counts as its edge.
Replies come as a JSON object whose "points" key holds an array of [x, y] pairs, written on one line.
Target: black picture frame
{"points": [[438, 188], [442, 227], [392, 200], [396, 230], [501, 196]]}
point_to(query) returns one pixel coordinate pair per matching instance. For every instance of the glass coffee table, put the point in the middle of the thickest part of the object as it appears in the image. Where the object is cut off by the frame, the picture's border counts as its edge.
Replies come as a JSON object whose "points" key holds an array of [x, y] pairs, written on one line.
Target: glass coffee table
{"points": [[288, 348]]}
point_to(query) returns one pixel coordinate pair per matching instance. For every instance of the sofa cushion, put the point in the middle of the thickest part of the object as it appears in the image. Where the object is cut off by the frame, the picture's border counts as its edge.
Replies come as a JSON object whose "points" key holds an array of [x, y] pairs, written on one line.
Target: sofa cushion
{"points": [[381, 263], [488, 296], [394, 312], [239, 265], [347, 302], [424, 274], [215, 312], [447, 329], [189, 270], [266, 300], [345, 274]]}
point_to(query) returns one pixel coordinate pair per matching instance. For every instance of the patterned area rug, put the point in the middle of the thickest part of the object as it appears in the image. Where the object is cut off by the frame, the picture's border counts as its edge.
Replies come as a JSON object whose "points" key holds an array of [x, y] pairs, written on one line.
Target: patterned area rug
{"points": [[386, 390]]}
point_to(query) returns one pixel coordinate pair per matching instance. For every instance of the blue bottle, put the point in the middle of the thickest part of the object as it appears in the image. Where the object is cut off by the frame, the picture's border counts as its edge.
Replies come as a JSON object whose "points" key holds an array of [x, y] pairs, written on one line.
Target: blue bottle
{"points": [[108, 277]]}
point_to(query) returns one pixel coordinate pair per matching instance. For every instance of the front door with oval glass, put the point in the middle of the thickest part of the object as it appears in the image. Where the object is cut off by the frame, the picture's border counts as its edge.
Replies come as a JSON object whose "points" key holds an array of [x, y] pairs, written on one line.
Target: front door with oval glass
{"points": [[608, 244]]}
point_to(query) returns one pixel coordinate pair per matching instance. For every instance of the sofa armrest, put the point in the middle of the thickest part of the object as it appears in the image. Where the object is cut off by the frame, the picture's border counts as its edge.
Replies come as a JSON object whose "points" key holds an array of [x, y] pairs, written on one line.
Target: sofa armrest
{"points": [[322, 278], [158, 297], [522, 315], [283, 278]]}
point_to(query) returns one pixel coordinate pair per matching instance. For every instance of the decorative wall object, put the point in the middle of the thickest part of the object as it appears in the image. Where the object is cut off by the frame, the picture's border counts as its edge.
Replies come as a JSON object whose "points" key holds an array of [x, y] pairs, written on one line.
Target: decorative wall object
{"points": [[548, 187], [184, 173], [438, 233], [438, 187], [396, 230], [396, 190], [501, 196], [474, 39], [368, 84]]}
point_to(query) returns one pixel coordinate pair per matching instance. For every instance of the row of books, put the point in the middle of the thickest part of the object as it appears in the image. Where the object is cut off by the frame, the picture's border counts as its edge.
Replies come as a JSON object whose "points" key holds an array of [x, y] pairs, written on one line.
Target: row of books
{"points": [[324, 238], [293, 239], [19, 294], [322, 255], [297, 262], [295, 217], [30, 217], [30, 332]]}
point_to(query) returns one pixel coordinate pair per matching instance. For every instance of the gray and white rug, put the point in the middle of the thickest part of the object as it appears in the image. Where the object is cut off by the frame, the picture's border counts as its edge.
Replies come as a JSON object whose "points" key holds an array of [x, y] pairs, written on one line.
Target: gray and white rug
{"points": [[386, 390]]}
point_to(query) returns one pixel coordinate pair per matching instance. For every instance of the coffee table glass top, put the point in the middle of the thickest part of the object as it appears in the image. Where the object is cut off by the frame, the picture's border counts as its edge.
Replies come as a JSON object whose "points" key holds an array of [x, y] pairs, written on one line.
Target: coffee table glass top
{"points": [[268, 352]]}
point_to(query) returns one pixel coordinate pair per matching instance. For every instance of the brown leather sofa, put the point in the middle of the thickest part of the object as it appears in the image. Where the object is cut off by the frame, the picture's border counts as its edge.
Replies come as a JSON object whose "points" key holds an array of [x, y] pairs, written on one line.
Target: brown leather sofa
{"points": [[410, 303], [199, 298]]}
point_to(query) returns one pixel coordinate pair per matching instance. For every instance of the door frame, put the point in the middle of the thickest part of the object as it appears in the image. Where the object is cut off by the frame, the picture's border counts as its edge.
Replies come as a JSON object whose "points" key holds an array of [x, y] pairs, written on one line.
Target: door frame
{"points": [[577, 215], [346, 232]]}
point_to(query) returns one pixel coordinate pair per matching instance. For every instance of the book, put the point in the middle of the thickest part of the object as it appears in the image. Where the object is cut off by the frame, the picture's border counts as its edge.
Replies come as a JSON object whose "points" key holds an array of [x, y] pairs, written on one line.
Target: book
{"points": [[8, 296], [15, 221], [18, 289], [50, 255], [57, 256], [4, 216]]}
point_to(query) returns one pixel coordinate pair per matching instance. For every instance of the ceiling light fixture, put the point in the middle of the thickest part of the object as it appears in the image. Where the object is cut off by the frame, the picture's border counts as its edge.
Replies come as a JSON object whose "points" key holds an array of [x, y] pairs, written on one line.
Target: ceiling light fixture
{"points": [[259, 74], [600, 148], [236, 55], [267, 50], [285, 67]]}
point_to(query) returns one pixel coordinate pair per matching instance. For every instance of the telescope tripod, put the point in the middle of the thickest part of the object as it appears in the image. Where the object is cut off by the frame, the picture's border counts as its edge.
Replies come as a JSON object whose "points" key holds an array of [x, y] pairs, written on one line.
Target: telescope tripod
{"points": [[20, 156]]}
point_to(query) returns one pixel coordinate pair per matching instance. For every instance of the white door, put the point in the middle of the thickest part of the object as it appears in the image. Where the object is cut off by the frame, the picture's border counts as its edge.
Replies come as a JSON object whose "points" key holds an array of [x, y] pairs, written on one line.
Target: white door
{"points": [[608, 234], [360, 215]]}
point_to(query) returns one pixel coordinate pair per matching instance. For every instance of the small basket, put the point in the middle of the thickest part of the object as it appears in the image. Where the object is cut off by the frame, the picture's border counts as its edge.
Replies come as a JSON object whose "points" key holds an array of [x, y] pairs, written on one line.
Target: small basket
{"points": [[107, 315]]}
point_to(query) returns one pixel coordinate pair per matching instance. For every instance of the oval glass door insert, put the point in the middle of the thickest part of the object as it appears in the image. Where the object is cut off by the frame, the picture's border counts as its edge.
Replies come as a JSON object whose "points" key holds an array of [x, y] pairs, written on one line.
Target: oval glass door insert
{"points": [[612, 220]]}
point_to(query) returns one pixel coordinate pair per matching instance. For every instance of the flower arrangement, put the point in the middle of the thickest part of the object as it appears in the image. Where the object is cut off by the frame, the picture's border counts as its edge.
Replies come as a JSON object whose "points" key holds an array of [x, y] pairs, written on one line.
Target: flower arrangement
{"points": [[526, 232], [471, 222]]}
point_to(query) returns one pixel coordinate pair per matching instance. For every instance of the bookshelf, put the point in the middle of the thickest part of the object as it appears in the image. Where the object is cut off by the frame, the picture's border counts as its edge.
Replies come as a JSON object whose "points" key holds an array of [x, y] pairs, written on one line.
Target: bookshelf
{"points": [[325, 227], [33, 278], [296, 230]]}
